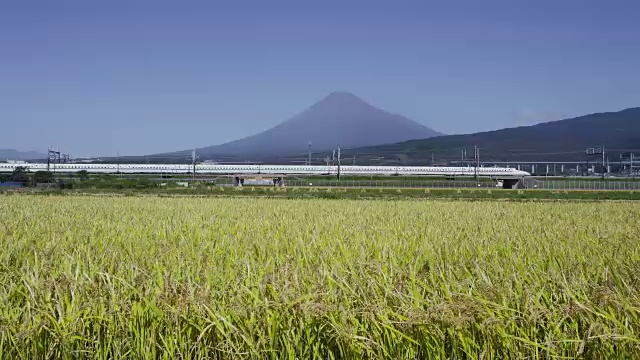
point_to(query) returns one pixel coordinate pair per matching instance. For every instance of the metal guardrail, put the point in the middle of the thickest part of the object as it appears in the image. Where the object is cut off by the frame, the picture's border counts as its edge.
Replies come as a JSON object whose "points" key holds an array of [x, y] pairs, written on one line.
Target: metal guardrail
{"points": [[594, 185], [394, 184], [445, 184], [574, 184]]}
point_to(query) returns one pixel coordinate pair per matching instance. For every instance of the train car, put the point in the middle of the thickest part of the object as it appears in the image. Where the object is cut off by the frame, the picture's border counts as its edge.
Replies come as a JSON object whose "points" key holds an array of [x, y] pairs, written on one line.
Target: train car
{"points": [[269, 169]]}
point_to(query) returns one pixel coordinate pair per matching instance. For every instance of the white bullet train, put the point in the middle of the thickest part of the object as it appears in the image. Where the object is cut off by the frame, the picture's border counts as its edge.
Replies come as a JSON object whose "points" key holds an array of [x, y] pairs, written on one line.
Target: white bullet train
{"points": [[269, 169]]}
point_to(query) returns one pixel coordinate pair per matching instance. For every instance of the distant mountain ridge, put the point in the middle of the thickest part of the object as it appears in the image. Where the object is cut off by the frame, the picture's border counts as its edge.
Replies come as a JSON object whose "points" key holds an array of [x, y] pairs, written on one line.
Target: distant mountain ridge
{"points": [[13, 154], [341, 119], [561, 140]]}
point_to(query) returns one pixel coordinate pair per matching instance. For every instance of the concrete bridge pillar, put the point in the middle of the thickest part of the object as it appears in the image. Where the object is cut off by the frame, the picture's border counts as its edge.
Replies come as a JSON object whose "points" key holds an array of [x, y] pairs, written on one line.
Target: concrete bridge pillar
{"points": [[279, 181]]}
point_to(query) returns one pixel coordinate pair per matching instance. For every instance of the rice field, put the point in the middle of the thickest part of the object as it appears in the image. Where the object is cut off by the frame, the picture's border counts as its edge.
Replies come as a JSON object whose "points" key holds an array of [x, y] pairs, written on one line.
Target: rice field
{"points": [[189, 278]]}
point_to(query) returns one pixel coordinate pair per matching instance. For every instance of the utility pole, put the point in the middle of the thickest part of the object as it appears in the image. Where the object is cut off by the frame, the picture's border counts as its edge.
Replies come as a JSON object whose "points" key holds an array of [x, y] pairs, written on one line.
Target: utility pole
{"points": [[603, 166], [57, 159], [476, 155], [52, 157], [354, 160], [193, 160], [630, 155], [309, 161], [333, 157], [338, 162], [432, 161]]}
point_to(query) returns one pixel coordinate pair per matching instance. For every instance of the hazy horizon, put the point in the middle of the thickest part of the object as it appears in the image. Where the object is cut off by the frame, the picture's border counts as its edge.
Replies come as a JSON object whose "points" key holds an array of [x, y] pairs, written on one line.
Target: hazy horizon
{"points": [[95, 79]]}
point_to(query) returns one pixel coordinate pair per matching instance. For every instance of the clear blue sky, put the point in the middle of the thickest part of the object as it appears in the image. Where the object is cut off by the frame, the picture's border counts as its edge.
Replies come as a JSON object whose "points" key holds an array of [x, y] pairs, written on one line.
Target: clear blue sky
{"points": [[138, 77]]}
